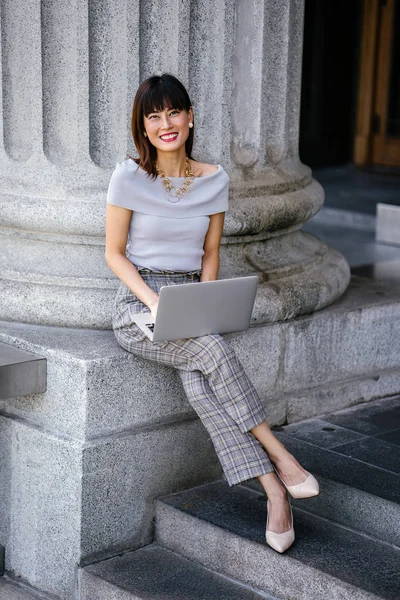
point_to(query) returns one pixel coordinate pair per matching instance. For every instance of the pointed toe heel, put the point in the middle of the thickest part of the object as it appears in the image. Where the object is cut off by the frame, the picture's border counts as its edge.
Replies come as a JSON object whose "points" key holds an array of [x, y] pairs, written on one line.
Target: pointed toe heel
{"points": [[280, 541], [305, 489]]}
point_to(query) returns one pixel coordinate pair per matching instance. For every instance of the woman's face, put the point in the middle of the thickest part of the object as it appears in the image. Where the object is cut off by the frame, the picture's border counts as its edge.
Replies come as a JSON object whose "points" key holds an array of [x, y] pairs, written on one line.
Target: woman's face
{"points": [[168, 129]]}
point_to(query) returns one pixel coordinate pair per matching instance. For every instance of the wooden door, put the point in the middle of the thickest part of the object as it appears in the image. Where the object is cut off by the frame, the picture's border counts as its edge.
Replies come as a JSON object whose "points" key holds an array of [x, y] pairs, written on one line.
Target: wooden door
{"points": [[378, 117]]}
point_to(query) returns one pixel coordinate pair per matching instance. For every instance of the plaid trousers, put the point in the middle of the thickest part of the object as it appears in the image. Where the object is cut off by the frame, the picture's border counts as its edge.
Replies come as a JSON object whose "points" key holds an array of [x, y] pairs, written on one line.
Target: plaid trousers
{"points": [[214, 380]]}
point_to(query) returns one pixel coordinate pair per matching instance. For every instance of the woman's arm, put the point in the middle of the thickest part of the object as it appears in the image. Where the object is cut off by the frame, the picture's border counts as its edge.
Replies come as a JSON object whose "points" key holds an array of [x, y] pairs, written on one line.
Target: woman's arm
{"points": [[117, 227], [210, 260]]}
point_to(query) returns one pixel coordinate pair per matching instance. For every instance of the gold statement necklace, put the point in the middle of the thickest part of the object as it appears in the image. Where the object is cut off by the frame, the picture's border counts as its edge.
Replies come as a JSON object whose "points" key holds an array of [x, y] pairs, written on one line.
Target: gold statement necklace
{"points": [[173, 193]]}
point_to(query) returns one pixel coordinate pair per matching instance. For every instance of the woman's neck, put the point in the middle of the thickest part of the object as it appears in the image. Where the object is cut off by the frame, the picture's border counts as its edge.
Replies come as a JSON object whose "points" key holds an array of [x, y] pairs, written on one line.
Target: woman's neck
{"points": [[172, 164]]}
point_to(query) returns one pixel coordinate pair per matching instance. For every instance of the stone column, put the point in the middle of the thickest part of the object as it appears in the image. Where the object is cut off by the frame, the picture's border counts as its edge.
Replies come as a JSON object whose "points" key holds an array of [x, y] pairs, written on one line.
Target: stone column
{"points": [[82, 463], [69, 74], [273, 192]]}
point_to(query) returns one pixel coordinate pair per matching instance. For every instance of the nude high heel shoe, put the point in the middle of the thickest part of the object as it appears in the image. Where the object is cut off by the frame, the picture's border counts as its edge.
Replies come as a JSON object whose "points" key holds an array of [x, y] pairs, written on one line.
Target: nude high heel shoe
{"points": [[279, 541], [305, 489]]}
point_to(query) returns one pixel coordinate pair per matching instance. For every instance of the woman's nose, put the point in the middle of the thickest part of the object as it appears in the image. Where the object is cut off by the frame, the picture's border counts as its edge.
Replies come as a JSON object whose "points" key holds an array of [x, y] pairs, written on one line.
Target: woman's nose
{"points": [[165, 121]]}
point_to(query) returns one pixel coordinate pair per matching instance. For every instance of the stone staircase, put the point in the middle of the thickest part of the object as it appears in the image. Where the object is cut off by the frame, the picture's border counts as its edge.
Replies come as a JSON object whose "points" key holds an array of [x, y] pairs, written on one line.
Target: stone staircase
{"points": [[209, 540], [210, 544]]}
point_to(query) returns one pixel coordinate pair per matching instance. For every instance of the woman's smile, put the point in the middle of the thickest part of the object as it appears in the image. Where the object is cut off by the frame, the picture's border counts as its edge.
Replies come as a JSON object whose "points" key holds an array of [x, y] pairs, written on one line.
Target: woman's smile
{"points": [[169, 137]]}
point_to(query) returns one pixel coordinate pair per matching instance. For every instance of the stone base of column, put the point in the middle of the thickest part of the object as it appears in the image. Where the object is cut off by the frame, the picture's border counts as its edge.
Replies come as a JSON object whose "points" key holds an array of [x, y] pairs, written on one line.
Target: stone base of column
{"points": [[81, 464], [298, 273], [64, 281]]}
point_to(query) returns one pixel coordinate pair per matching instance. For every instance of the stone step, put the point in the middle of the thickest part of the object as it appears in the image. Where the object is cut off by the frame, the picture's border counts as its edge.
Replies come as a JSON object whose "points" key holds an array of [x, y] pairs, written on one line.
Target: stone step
{"points": [[11, 590], [353, 493], [154, 572], [355, 455], [21, 373], [223, 528]]}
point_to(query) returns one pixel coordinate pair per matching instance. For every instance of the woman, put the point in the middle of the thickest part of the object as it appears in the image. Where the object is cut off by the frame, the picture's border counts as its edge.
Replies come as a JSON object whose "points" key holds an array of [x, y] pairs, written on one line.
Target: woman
{"points": [[165, 214]]}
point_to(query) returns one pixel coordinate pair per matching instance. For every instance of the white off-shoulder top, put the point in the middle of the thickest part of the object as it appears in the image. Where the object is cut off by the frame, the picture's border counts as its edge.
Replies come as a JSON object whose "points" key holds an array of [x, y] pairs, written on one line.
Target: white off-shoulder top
{"points": [[163, 234]]}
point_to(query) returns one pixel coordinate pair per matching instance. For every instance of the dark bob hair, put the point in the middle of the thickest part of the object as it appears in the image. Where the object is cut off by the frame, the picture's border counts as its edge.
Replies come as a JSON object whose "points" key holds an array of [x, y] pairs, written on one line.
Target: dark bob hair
{"points": [[156, 93]]}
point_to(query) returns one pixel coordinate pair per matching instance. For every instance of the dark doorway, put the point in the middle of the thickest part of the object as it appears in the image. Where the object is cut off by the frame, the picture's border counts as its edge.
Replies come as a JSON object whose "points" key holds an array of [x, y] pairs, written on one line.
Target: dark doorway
{"points": [[332, 34]]}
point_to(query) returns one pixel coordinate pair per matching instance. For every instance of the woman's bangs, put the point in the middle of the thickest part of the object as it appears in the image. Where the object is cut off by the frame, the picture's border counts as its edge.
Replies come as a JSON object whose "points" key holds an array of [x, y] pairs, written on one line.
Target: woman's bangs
{"points": [[164, 96]]}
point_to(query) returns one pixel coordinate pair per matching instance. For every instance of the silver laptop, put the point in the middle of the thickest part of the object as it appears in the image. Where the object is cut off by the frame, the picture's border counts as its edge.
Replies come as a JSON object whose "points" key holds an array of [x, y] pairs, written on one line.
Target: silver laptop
{"points": [[193, 309]]}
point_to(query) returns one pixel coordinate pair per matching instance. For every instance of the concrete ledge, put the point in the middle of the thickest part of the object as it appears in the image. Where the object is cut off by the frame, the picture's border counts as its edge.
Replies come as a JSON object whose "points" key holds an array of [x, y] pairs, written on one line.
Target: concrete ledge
{"points": [[21, 372], [95, 388], [388, 223]]}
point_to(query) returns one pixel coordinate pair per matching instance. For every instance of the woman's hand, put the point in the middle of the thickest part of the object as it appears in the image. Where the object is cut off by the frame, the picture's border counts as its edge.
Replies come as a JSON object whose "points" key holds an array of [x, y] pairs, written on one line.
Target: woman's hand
{"points": [[153, 305]]}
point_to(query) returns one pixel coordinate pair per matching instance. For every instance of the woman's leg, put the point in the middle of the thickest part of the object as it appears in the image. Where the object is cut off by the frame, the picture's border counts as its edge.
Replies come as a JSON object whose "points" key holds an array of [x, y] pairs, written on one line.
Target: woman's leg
{"points": [[242, 457], [215, 382], [288, 468]]}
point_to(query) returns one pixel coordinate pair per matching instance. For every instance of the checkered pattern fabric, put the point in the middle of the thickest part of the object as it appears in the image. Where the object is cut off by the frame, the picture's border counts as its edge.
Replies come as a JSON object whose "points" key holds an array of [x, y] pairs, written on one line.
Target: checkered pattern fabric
{"points": [[214, 380]]}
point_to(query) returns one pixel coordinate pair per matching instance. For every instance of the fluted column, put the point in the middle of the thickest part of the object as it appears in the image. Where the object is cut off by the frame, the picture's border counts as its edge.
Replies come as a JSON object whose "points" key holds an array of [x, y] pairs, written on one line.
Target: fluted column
{"points": [[273, 193], [69, 72]]}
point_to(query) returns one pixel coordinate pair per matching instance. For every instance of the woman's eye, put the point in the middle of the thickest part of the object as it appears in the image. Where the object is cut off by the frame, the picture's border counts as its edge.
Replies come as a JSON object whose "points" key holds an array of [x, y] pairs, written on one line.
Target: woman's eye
{"points": [[174, 112]]}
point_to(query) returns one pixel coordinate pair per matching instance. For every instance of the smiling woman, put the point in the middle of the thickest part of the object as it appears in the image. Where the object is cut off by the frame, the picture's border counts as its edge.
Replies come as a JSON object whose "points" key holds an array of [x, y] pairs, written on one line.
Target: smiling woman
{"points": [[158, 112], [165, 214]]}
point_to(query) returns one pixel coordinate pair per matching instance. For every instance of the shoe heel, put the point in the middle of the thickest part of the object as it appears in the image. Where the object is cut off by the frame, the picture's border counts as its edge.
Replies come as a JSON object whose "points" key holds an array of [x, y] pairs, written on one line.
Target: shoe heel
{"points": [[279, 541]]}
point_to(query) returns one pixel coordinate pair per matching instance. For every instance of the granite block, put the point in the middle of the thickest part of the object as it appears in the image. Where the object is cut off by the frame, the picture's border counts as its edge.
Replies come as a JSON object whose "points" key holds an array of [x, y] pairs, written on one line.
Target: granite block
{"points": [[68, 503], [156, 572], [375, 421], [321, 433], [6, 436], [44, 509], [332, 346], [122, 475], [96, 388], [374, 452], [10, 590], [392, 436]]}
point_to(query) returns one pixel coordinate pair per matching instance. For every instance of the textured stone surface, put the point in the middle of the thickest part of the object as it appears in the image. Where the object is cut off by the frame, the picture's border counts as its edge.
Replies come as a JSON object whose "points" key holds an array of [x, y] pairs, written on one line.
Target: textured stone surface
{"points": [[43, 512], [322, 433], [65, 502], [344, 469], [320, 355], [21, 372], [93, 384], [155, 572], [122, 475], [96, 388], [375, 452], [9, 590], [337, 395], [371, 419], [392, 436], [200, 521]]}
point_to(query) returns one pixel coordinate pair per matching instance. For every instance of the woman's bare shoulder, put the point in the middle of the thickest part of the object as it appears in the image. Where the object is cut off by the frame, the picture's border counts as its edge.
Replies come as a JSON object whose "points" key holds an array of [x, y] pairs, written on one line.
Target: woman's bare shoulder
{"points": [[201, 169]]}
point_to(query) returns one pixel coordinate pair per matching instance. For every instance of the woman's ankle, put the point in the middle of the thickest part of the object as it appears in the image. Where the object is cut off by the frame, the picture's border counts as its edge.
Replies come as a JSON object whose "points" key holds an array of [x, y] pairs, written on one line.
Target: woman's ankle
{"points": [[272, 486], [281, 458]]}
